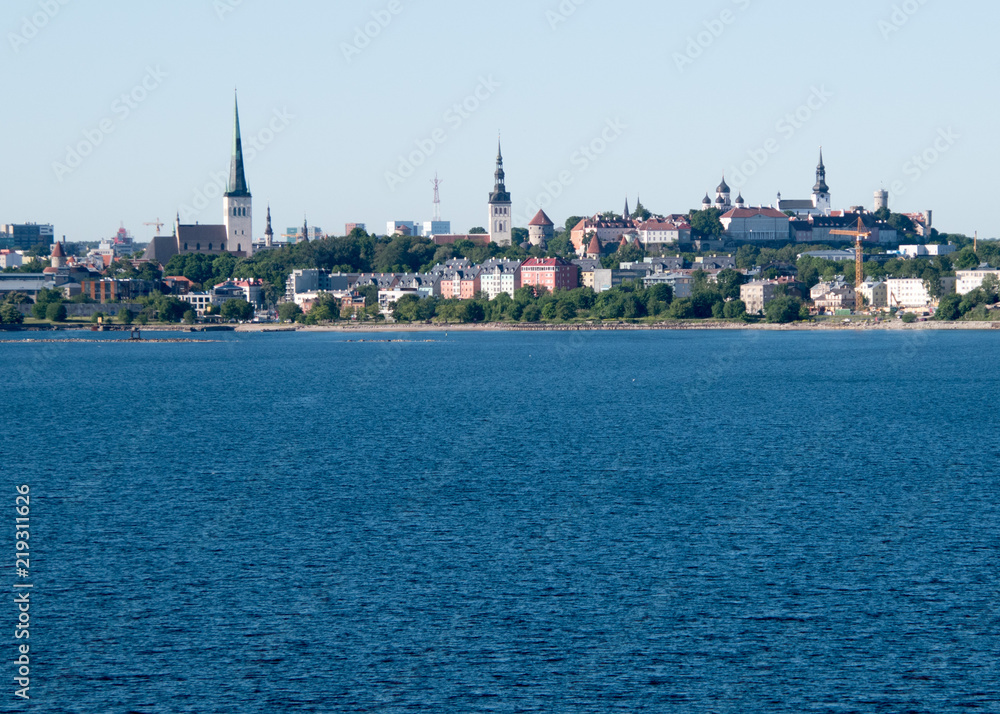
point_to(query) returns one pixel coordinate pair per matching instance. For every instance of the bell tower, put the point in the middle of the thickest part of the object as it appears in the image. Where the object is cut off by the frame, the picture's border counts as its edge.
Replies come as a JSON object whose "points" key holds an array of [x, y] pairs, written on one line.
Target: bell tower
{"points": [[501, 231], [238, 202]]}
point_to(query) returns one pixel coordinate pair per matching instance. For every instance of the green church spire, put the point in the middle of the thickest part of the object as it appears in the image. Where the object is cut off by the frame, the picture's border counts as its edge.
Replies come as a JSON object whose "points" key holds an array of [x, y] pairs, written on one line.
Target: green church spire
{"points": [[237, 178]]}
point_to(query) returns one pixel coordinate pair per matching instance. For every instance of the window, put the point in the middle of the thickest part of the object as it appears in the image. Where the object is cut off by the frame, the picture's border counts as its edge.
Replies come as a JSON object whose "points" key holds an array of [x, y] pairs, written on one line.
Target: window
{"points": [[197, 246]]}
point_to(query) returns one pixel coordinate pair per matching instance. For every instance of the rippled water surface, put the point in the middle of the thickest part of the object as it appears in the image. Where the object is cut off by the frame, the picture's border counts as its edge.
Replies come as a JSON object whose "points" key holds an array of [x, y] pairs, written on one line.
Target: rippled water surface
{"points": [[709, 522]]}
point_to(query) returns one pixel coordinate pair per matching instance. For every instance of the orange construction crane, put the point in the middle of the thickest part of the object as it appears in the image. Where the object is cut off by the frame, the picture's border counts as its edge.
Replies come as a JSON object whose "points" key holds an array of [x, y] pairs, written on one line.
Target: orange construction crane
{"points": [[159, 225], [859, 256]]}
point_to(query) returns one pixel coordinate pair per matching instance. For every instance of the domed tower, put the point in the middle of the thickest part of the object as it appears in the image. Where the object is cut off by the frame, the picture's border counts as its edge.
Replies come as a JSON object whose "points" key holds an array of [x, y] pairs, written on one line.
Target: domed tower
{"points": [[740, 203], [723, 195]]}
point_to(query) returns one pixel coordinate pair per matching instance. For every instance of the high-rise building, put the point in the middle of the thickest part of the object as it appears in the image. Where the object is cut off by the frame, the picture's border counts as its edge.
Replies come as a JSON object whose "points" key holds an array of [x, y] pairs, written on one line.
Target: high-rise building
{"points": [[26, 236]]}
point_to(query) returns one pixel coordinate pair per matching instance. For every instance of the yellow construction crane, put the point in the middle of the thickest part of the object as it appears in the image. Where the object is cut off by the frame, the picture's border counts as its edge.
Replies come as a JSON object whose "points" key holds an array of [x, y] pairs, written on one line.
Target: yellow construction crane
{"points": [[859, 256], [159, 225]]}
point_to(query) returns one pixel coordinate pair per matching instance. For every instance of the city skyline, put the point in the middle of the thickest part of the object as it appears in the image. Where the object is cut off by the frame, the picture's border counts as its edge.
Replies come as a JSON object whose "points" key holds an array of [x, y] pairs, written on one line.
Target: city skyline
{"points": [[341, 140]]}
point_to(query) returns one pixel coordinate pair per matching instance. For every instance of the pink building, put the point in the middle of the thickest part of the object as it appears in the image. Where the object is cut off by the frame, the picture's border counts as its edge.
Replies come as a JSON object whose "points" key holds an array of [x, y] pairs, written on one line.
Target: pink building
{"points": [[552, 273], [460, 284]]}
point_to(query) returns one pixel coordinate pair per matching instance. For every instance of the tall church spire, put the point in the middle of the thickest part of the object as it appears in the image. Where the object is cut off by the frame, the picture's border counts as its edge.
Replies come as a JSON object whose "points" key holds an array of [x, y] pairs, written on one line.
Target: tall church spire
{"points": [[237, 178], [501, 175], [627, 214], [269, 232], [821, 186]]}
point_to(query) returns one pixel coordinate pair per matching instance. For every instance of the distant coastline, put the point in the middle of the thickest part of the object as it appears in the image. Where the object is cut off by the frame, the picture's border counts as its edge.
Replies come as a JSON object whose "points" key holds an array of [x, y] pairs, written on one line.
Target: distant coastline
{"points": [[894, 326]]}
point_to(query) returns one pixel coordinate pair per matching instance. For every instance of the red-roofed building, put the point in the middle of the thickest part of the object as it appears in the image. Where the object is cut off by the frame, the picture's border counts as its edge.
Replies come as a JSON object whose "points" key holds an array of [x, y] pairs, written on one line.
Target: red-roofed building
{"points": [[541, 229], [551, 273], [607, 230], [594, 249], [664, 232], [178, 284]]}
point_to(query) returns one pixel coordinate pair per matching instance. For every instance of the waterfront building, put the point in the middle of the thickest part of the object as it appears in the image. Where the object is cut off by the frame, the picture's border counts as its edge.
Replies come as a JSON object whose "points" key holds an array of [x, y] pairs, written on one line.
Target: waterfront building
{"points": [[874, 294], [681, 283], [605, 279], [551, 273], [969, 280], [841, 297], [913, 293], [498, 276], [757, 294], [460, 284]]}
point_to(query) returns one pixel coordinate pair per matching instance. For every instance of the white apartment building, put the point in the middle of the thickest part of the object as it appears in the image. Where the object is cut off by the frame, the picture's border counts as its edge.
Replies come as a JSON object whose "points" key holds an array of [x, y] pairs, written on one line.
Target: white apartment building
{"points": [[969, 280], [875, 294], [912, 293], [500, 276], [757, 295]]}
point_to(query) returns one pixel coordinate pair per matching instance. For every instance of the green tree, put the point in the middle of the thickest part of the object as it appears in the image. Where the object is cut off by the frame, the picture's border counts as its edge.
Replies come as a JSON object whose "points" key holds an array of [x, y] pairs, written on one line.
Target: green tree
{"points": [[10, 315], [706, 223], [681, 309], [948, 309], [734, 309], [55, 312], [966, 259], [98, 317], [728, 283], [477, 231], [289, 311], [239, 310], [125, 316], [190, 316], [783, 310]]}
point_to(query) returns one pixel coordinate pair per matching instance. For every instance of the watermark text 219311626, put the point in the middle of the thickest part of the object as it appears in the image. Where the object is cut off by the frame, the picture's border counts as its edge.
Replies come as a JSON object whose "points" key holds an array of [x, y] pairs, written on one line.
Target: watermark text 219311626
{"points": [[22, 591]]}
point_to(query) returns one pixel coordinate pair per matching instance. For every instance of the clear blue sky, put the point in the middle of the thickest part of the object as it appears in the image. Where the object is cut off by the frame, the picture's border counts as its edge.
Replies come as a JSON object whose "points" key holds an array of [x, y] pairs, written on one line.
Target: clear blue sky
{"points": [[553, 82]]}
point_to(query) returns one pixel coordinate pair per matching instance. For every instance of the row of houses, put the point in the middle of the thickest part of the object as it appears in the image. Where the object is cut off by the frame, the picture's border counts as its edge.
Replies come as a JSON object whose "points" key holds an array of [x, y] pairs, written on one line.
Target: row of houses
{"points": [[840, 296], [457, 279]]}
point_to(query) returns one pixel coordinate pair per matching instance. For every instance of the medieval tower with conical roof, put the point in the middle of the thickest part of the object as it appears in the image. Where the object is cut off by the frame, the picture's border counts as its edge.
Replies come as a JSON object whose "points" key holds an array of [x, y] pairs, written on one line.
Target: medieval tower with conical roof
{"points": [[238, 201], [500, 207]]}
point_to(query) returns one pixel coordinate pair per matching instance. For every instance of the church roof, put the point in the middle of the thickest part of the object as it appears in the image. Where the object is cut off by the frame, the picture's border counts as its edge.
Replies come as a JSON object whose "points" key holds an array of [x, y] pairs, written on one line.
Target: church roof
{"points": [[161, 249], [57, 251], [237, 178]]}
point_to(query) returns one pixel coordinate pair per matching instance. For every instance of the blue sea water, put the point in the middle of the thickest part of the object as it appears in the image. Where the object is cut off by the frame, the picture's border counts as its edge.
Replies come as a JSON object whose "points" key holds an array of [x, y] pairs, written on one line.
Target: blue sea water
{"points": [[587, 522]]}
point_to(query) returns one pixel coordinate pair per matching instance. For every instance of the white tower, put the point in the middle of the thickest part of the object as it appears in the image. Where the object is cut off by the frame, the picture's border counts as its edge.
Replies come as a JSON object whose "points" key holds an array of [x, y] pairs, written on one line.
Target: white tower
{"points": [[500, 207], [881, 199], [238, 202]]}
